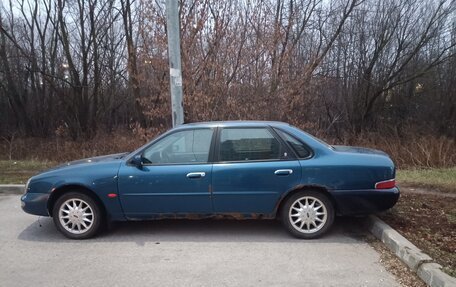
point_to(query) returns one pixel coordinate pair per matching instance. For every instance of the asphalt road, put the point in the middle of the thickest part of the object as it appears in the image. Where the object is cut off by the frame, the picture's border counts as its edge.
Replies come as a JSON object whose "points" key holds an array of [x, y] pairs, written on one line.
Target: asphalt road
{"points": [[183, 253]]}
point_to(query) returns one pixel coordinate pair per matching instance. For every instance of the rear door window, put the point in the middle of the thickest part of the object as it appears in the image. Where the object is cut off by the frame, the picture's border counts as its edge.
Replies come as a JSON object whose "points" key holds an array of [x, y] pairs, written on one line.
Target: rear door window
{"points": [[247, 144]]}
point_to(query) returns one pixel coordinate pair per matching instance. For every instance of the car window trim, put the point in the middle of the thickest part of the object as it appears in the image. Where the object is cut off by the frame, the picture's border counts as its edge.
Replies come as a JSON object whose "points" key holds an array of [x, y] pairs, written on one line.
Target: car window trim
{"points": [[291, 155], [214, 130], [308, 148], [211, 157], [283, 148]]}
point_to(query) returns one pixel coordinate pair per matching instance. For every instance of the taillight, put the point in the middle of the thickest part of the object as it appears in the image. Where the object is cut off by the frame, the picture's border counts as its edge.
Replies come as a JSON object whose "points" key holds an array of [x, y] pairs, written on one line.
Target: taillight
{"points": [[386, 184]]}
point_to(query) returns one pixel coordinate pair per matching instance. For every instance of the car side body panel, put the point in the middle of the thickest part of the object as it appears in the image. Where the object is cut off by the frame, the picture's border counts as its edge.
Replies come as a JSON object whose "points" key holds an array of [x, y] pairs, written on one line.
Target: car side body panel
{"points": [[97, 177]]}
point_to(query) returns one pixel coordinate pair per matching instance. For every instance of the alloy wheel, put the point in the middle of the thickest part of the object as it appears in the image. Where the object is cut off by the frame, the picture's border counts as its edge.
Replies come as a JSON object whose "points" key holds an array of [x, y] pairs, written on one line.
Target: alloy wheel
{"points": [[308, 214], [76, 216]]}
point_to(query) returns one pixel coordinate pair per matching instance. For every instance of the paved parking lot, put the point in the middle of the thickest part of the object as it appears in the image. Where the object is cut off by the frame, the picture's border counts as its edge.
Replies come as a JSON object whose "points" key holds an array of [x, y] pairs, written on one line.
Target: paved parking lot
{"points": [[183, 253]]}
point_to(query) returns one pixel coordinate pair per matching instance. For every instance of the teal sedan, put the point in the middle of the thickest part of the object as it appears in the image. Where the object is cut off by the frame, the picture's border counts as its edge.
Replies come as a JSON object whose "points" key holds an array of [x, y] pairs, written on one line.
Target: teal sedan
{"points": [[239, 169]]}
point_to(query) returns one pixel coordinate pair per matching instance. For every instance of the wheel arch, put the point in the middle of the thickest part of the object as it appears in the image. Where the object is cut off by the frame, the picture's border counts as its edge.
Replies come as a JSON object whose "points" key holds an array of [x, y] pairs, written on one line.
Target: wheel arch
{"points": [[305, 187], [61, 190]]}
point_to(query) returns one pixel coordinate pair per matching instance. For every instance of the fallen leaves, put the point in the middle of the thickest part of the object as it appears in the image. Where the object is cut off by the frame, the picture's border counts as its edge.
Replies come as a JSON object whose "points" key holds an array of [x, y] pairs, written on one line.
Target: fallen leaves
{"points": [[428, 221]]}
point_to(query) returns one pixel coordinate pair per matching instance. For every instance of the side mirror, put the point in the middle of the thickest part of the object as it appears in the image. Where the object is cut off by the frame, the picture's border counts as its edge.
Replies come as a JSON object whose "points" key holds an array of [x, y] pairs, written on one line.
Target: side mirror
{"points": [[136, 160]]}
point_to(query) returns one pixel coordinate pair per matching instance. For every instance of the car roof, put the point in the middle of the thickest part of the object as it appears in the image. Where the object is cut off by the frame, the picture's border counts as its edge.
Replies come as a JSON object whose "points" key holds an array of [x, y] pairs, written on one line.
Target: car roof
{"points": [[234, 124]]}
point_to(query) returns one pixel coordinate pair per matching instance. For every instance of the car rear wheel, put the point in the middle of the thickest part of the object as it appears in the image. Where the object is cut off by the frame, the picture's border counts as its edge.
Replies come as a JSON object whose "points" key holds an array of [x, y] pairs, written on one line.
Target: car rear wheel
{"points": [[308, 214], [77, 216]]}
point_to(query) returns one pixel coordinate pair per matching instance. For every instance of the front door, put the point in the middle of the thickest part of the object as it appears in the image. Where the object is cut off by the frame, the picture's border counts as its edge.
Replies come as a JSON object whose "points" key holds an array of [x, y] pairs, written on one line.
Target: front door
{"points": [[174, 178]]}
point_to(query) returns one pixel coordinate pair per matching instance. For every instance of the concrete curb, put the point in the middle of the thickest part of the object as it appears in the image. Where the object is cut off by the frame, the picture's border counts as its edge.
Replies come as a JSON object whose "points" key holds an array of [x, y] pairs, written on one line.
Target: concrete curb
{"points": [[12, 188], [412, 256]]}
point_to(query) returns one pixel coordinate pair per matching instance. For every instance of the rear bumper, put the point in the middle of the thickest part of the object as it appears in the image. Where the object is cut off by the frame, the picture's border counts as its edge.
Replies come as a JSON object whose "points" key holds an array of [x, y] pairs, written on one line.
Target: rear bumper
{"points": [[35, 203], [361, 202]]}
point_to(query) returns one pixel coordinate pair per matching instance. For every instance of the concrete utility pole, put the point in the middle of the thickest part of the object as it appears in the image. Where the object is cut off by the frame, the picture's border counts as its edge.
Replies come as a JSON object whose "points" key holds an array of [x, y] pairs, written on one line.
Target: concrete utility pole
{"points": [[175, 72]]}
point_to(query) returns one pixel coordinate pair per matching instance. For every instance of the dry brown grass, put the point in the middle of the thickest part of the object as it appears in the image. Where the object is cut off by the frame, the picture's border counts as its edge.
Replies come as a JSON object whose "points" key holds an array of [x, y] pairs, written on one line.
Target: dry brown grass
{"points": [[407, 151], [411, 150], [58, 149]]}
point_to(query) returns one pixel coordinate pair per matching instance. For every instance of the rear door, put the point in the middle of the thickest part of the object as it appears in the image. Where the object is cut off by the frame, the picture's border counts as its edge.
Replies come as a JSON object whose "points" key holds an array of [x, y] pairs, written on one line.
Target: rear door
{"points": [[253, 168]]}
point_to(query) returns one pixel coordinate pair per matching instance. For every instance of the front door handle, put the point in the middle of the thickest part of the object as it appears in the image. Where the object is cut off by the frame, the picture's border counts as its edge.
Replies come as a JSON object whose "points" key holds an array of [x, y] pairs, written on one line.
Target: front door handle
{"points": [[283, 172], [196, 174]]}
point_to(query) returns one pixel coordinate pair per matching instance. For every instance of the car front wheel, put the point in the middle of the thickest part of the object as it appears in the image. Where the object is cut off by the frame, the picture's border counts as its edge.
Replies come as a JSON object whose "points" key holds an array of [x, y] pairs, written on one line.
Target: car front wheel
{"points": [[77, 216], [308, 214]]}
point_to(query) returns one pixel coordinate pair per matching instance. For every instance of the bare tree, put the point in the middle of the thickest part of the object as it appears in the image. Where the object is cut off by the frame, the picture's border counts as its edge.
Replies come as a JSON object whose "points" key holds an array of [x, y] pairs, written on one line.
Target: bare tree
{"points": [[334, 66]]}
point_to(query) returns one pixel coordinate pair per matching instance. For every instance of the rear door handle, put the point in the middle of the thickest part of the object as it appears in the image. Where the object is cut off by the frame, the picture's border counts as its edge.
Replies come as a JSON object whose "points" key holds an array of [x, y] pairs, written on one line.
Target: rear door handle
{"points": [[283, 172], [196, 174]]}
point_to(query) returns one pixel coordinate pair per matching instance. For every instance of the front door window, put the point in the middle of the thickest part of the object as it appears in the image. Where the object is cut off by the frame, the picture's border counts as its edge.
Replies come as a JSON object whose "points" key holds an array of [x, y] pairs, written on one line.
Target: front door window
{"points": [[182, 147]]}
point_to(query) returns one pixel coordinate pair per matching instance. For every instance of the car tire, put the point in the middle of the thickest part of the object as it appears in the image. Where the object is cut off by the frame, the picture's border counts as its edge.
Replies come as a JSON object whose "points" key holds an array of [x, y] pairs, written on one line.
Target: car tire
{"points": [[307, 214], [77, 215]]}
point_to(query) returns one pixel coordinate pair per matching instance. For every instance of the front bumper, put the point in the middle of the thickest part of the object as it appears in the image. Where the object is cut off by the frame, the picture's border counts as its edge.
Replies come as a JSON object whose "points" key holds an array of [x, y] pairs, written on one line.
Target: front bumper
{"points": [[35, 203], [361, 202]]}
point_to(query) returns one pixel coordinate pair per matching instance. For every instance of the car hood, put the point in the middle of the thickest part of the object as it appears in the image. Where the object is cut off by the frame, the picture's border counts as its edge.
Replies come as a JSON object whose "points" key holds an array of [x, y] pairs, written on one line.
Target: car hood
{"points": [[355, 149], [103, 158]]}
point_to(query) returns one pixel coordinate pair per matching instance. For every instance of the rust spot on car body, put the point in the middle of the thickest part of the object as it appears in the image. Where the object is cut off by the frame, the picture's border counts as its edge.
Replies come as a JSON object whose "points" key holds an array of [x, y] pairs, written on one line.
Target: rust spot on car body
{"points": [[195, 216]]}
